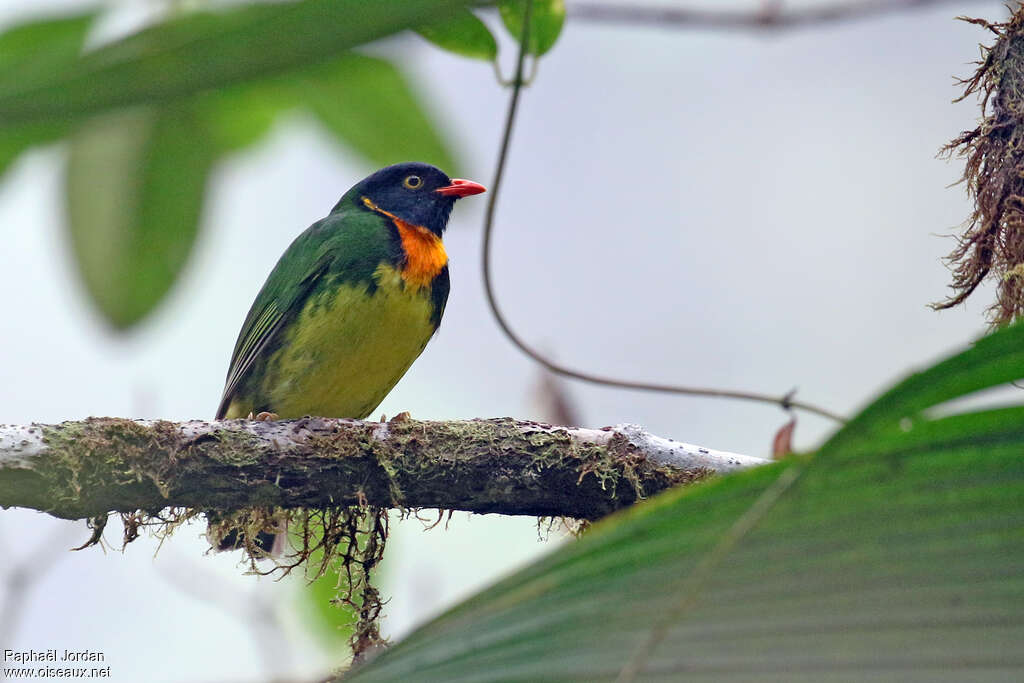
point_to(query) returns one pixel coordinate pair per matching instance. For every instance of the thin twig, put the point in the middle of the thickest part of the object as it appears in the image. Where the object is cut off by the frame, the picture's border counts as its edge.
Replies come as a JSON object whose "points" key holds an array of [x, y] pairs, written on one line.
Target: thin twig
{"points": [[254, 610], [785, 401], [21, 576], [769, 17]]}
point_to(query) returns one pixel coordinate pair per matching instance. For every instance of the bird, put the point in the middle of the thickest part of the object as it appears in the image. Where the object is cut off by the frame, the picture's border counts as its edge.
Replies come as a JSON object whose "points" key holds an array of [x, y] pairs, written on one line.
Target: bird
{"points": [[351, 303]]}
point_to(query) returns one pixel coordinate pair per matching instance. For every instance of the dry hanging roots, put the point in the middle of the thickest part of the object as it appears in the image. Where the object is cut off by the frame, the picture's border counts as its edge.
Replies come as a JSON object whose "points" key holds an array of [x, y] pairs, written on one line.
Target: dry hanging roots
{"points": [[346, 540], [992, 245]]}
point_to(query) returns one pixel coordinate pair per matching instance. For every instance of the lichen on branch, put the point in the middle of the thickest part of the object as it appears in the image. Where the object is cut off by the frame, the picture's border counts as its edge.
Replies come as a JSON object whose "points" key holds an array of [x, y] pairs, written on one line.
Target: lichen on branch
{"points": [[87, 468], [325, 485]]}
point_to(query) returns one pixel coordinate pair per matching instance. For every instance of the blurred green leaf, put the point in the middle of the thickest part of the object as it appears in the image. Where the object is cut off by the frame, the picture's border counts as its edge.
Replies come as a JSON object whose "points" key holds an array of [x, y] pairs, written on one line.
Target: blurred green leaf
{"points": [[898, 561], [17, 139], [991, 361], [545, 22], [464, 34], [332, 623], [34, 49], [242, 114], [369, 105], [135, 181], [199, 52], [136, 175]]}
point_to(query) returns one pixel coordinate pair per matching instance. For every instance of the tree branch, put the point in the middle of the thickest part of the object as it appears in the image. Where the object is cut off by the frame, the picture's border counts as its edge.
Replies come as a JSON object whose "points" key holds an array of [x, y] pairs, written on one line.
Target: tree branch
{"points": [[88, 468], [770, 16]]}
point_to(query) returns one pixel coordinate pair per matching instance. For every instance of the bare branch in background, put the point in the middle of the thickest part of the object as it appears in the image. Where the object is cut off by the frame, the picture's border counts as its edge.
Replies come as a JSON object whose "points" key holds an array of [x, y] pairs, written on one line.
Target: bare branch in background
{"points": [[771, 16], [254, 609], [556, 404], [88, 468], [21, 574]]}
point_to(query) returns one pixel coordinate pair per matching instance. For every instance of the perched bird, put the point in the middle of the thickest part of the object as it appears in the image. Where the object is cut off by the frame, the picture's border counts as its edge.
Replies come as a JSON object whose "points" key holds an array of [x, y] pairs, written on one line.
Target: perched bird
{"points": [[351, 303], [349, 306]]}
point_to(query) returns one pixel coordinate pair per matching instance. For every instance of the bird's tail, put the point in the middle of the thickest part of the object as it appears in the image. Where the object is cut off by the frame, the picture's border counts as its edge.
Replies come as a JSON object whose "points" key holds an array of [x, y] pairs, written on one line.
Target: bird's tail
{"points": [[268, 541]]}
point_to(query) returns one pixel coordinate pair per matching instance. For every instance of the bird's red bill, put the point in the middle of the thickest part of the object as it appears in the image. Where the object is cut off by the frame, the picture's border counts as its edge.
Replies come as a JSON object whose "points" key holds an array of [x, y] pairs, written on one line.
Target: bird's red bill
{"points": [[461, 188]]}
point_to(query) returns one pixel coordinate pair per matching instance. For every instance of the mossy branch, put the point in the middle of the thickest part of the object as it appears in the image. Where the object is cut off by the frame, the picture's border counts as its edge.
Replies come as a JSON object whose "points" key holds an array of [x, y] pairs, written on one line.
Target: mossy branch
{"points": [[91, 467]]}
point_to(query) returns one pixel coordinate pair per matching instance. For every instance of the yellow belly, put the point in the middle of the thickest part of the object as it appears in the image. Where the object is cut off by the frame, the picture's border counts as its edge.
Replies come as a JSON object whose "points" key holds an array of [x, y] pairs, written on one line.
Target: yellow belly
{"points": [[346, 350]]}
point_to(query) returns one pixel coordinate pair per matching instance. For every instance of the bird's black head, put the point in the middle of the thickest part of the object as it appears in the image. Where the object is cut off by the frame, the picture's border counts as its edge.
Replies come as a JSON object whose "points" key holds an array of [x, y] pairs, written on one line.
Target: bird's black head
{"points": [[415, 192]]}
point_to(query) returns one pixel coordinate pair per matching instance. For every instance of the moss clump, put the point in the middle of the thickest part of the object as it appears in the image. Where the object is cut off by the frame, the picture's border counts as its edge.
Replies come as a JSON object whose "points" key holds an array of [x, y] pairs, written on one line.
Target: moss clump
{"points": [[98, 452], [347, 541], [992, 245]]}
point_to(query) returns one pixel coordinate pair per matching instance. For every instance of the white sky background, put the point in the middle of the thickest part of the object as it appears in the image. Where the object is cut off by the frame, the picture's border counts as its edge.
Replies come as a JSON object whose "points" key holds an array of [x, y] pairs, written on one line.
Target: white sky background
{"points": [[726, 209]]}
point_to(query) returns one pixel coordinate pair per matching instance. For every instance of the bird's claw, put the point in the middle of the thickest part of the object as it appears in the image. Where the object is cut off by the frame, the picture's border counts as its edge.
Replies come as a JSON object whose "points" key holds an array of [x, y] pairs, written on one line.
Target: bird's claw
{"points": [[264, 416]]}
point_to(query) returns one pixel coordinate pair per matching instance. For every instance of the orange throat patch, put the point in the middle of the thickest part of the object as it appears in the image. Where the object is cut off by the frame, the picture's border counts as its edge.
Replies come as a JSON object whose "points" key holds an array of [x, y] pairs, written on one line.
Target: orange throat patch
{"points": [[425, 256]]}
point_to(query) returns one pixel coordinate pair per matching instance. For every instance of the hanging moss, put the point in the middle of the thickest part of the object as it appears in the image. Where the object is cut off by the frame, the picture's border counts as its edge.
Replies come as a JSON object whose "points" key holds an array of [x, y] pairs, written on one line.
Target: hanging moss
{"points": [[992, 245], [323, 484]]}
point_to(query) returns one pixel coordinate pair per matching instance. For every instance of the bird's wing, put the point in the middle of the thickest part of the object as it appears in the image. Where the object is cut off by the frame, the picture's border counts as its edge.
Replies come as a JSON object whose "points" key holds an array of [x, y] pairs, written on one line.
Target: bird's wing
{"points": [[283, 295]]}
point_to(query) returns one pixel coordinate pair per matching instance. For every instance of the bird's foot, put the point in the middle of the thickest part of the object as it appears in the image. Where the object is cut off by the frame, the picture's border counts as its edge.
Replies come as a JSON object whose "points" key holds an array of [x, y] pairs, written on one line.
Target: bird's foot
{"points": [[403, 416], [264, 416]]}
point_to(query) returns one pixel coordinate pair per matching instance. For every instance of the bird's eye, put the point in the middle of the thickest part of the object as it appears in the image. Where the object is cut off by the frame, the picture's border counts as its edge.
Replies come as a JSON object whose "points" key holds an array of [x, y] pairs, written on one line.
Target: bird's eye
{"points": [[413, 182]]}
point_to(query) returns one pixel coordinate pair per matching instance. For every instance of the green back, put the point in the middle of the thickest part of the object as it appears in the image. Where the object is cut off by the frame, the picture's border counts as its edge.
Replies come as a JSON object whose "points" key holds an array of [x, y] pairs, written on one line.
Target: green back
{"points": [[345, 247]]}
